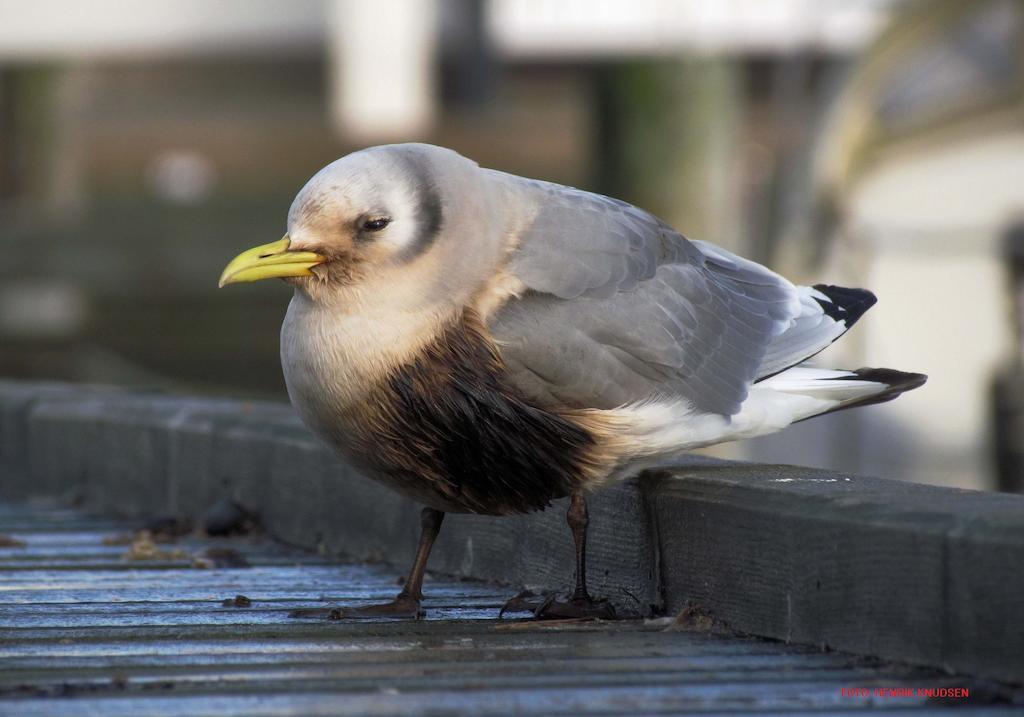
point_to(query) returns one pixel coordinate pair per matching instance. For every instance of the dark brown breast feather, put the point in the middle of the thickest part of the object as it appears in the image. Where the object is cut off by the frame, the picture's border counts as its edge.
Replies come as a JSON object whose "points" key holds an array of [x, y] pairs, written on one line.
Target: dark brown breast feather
{"points": [[448, 419]]}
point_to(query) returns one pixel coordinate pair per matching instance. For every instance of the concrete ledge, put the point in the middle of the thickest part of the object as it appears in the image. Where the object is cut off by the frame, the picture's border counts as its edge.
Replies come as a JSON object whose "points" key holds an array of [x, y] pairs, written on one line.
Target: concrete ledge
{"points": [[908, 572]]}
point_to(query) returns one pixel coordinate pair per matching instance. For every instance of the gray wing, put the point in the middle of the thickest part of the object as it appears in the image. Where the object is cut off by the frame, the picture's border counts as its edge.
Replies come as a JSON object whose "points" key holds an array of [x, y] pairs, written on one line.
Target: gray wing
{"points": [[621, 308]]}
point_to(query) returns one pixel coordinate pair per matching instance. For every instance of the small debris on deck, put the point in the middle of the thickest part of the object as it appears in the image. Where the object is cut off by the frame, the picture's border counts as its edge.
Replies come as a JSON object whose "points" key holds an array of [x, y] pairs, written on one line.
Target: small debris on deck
{"points": [[84, 632], [695, 617], [7, 541], [143, 547], [237, 601]]}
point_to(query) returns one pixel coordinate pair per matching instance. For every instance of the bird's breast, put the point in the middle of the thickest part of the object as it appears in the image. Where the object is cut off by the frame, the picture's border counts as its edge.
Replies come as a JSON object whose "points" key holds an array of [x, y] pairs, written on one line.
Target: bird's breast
{"points": [[332, 361], [438, 422]]}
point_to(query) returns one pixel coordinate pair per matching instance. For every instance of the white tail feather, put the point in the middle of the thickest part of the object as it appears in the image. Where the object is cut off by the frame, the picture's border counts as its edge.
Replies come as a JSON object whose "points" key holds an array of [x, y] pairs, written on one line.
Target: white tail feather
{"points": [[823, 383], [659, 429]]}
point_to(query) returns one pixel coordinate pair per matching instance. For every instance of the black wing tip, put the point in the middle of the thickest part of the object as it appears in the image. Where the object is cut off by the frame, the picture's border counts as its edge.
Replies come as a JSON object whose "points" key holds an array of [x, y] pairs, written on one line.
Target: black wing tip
{"points": [[845, 305], [900, 380], [896, 382]]}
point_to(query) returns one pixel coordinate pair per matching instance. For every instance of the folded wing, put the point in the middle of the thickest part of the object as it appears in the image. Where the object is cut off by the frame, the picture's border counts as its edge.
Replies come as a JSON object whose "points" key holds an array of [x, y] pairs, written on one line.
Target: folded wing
{"points": [[622, 308]]}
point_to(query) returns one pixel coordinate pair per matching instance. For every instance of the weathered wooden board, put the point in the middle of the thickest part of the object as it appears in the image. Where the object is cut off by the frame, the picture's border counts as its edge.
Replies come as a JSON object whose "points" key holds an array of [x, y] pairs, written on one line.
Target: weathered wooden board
{"points": [[101, 635], [877, 567]]}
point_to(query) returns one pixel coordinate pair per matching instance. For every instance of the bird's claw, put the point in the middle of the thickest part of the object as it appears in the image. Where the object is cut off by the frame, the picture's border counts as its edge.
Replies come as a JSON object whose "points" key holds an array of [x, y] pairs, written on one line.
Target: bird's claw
{"points": [[549, 607], [581, 608], [525, 601]]}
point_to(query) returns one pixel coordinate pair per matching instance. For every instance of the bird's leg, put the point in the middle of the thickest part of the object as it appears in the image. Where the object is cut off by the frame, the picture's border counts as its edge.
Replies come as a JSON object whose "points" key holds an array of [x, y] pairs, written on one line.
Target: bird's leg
{"points": [[579, 604], [430, 526], [407, 602], [578, 518]]}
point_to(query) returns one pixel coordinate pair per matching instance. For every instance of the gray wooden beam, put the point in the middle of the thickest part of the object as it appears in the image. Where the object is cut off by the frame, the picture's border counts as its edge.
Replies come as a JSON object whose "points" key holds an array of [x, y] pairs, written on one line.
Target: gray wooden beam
{"points": [[901, 570]]}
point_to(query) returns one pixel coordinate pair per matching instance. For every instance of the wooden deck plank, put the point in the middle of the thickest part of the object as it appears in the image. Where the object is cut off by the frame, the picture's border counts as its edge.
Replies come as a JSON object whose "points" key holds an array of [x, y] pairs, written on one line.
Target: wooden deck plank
{"points": [[84, 631]]}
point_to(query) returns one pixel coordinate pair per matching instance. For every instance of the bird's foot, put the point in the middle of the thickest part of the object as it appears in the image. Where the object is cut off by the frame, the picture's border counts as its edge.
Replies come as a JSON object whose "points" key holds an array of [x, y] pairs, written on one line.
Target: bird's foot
{"points": [[576, 607], [400, 607], [550, 607], [526, 601]]}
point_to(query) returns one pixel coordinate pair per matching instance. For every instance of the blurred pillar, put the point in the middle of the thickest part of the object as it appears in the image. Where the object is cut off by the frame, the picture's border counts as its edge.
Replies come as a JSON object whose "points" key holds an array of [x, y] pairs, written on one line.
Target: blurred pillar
{"points": [[794, 106], [1008, 386], [39, 108], [8, 168], [383, 66], [71, 91], [666, 140], [468, 62]]}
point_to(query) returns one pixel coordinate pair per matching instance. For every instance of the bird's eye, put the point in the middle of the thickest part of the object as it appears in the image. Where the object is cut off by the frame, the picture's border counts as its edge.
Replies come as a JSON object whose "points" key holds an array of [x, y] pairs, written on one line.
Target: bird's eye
{"points": [[376, 224]]}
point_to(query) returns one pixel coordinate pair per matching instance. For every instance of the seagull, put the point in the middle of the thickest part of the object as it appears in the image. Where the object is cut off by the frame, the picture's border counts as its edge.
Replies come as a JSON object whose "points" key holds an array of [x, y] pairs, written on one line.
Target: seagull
{"points": [[486, 343]]}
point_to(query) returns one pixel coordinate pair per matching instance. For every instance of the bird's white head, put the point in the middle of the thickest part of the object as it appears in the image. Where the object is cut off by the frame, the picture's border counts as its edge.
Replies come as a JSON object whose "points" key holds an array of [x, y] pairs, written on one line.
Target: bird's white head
{"points": [[374, 213]]}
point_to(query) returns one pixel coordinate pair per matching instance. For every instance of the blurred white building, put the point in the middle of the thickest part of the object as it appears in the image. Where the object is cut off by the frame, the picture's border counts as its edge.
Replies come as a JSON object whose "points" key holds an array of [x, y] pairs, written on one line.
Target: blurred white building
{"points": [[921, 172], [384, 52]]}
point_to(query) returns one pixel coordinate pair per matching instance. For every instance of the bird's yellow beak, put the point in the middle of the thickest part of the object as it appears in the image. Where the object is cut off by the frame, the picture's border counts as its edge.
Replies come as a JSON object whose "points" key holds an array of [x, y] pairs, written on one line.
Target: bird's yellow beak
{"points": [[270, 261]]}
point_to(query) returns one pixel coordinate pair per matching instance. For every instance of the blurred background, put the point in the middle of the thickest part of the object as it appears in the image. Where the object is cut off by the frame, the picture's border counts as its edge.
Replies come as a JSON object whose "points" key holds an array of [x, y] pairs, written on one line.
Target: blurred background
{"points": [[875, 143]]}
